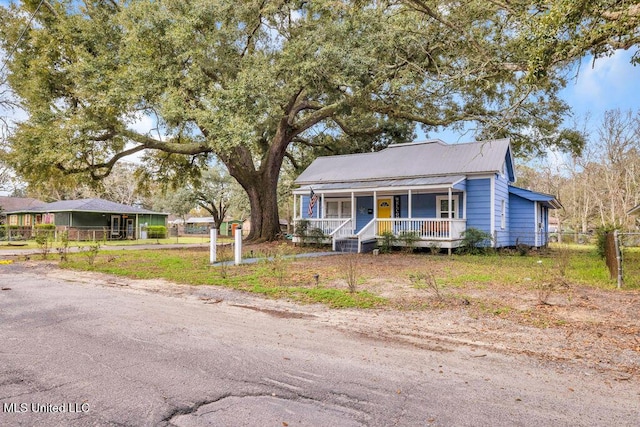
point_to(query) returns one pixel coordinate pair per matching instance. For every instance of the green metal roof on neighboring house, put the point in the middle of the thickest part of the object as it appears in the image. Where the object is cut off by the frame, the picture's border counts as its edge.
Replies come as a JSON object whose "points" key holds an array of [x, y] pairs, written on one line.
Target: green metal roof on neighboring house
{"points": [[87, 205]]}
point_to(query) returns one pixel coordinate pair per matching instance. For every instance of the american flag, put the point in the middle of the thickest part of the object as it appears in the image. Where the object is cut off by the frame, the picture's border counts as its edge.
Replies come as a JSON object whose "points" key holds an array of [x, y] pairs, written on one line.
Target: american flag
{"points": [[313, 198]]}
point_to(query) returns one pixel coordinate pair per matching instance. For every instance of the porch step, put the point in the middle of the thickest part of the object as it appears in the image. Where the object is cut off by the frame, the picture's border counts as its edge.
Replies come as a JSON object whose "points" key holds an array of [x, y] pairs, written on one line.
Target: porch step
{"points": [[347, 245], [351, 245]]}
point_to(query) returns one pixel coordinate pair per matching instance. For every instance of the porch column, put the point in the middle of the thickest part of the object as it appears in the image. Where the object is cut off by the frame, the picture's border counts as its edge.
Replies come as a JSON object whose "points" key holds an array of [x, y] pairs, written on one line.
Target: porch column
{"points": [[375, 204], [409, 206], [450, 207], [353, 213], [295, 197], [321, 206]]}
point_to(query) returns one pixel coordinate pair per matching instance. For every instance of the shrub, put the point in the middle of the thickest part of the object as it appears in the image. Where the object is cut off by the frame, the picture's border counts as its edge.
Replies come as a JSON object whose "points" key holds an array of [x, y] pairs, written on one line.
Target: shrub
{"points": [[45, 227], [387, 240], [156, 231], [309, 234], [409, 239], [475, 241]]}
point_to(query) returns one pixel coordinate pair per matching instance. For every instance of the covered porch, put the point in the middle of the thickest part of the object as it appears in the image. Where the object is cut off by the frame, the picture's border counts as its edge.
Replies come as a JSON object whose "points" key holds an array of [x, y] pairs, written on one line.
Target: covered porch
{"points": [[421, 212]]}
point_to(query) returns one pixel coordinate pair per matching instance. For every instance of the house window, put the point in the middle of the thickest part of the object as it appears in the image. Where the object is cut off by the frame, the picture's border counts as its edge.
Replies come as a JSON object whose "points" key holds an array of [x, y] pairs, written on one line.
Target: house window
{"points": [[38, 219], [503, 214], [49, 218], [338, 209], [27, 220], [442, 207], [13, 219]]}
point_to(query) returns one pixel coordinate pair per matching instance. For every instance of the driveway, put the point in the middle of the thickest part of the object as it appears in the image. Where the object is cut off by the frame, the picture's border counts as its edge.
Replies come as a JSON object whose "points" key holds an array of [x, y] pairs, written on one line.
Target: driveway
{"points": [[80, 349]]}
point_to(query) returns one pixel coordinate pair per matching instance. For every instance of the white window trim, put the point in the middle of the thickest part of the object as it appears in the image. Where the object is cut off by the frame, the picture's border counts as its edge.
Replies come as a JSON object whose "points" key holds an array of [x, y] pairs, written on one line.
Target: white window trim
{"points": [[340, 202], [115, 230], [456, 204]]}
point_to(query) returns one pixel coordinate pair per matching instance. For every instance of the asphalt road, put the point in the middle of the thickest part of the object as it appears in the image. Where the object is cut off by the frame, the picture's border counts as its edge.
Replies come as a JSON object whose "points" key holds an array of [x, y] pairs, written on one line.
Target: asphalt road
{"points": [[74, 353]]}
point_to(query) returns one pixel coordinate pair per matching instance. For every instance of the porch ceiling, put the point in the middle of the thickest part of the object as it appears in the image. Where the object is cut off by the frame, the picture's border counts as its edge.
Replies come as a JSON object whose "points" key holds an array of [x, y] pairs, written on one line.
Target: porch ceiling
{"points": [[422, 182]]}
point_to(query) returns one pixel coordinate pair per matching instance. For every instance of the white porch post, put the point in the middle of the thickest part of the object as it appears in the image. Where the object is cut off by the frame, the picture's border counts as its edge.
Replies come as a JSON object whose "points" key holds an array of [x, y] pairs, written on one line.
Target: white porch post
{"points": [[464, 204], [321, 206], [450, 207], [301, 206], [295, 197], [353, 213], [409, 206], [375, 204]]}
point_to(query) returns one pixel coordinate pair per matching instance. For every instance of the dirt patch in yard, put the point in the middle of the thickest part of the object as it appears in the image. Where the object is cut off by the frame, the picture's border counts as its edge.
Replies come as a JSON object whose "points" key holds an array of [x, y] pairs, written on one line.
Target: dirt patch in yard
{"points": [[441, 303]]}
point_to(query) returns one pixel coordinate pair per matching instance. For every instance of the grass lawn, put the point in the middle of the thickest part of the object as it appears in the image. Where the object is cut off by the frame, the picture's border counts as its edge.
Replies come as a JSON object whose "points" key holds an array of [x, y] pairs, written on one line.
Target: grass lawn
{"points": [[404, 280], [31, 244]]}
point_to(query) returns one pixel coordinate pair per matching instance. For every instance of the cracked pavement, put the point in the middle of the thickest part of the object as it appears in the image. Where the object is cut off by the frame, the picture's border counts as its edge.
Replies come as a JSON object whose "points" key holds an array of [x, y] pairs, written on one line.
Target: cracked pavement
{"points": [[113, 354]]}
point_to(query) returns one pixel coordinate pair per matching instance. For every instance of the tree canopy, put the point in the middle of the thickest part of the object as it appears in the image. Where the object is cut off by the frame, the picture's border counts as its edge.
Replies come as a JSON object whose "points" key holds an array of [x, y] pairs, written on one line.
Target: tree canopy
{"points": [[256, 82]]}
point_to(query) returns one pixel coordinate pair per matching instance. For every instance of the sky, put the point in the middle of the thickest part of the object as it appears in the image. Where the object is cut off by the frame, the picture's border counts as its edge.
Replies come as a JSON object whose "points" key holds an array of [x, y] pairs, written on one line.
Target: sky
{"points": [[593, 88]]}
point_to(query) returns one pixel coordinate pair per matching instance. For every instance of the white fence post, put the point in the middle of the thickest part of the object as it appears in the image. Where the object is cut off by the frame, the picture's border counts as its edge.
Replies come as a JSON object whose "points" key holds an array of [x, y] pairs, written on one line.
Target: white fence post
{"points": [[213, 246], [238, 247]]}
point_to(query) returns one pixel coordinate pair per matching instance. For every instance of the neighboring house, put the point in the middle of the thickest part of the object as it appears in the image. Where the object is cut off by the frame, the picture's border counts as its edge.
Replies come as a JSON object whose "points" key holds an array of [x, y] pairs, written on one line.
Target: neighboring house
{"points": [[8, 204], [635, 211], [430, 190], [202, 225], [88, 219]]}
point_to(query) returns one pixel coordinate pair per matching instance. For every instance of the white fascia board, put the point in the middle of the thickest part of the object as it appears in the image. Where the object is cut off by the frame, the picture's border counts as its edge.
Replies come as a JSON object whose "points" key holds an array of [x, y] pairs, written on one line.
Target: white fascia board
{"points": [[379, 189]]}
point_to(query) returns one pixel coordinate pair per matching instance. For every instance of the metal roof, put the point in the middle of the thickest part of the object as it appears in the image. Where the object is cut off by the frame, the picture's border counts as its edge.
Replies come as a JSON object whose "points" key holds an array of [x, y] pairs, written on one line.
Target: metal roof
{"points": [[547, 199], [15, 203], [87, 205], [413, 160], [438, 181]]}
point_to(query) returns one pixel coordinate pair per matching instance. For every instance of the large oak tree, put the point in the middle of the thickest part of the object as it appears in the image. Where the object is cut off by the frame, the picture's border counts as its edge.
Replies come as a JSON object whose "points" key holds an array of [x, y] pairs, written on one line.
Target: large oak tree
{"points": [[259, 81]]}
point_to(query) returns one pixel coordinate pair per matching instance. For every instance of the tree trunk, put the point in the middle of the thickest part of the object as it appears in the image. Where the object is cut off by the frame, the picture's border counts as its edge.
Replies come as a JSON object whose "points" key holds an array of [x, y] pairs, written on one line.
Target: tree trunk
{"points": [[263, 200], [261, 186]]}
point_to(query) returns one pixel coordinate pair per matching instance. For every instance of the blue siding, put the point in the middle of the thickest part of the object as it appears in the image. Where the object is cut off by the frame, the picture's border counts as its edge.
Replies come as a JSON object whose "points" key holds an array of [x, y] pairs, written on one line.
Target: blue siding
{"points": [[521, 221], [423, 205], [501, 194], [364, 205], [479, 204], [462, 185]]}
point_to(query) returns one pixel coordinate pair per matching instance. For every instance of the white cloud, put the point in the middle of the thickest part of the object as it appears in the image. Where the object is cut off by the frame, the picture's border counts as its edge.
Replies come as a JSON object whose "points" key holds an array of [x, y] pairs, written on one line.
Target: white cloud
{"points": [[608, 83]]}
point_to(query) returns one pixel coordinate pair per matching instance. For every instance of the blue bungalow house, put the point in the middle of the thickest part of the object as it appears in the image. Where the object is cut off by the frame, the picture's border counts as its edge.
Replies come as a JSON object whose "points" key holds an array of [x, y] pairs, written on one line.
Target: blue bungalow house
{"points": [[431, 190]]}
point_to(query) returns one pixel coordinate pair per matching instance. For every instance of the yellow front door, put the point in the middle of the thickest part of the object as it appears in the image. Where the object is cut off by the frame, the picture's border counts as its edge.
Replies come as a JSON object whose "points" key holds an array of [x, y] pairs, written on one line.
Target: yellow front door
{"points": [[384, 212]]}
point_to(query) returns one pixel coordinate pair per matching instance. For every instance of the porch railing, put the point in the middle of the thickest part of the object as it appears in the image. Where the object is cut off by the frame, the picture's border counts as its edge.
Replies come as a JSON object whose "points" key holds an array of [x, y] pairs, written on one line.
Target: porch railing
{"points": [[327, 225], [424, 228], [343, 231], [367, 232]]}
